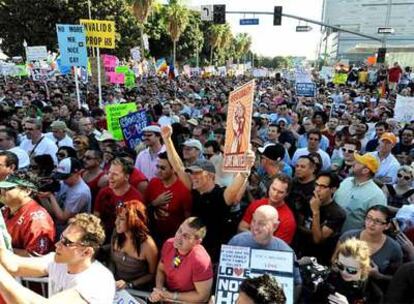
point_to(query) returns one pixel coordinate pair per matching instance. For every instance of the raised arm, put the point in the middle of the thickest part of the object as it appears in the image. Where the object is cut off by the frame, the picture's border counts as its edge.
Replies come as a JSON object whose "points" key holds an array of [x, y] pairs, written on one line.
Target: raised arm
{"points": [[173, 157]]}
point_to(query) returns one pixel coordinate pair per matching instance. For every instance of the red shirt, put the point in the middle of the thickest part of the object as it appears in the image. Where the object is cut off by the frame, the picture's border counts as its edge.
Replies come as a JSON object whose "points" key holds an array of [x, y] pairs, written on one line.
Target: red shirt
{"points": [[394, 74], [287, 226], [31, 228], [136, 177], [176, 210], [194, 267], [106, 202]]}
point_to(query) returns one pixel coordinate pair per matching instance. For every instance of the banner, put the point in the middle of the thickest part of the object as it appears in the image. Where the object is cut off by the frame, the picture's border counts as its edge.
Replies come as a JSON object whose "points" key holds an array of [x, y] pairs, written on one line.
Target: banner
{"points": [[71, 39], [99, 33], [306, 89], [36, 53], [404, 109], [132, 125], [239, 116], [239, 263], [113, 113]]}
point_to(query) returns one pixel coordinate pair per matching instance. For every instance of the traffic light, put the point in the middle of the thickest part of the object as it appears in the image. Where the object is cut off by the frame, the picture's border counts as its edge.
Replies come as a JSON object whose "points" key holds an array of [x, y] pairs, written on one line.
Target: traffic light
{"points": [[381, 55], [277, 16], [219, 14]]}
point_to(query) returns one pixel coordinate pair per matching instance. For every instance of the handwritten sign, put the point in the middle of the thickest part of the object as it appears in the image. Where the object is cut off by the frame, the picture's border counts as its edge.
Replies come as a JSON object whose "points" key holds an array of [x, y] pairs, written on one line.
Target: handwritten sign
{"points": [[306, 89], [36, 53], [239, 263], [99, 33], [71, 38], [113, 113], [238, 126], [132, 125], [404, 109]]}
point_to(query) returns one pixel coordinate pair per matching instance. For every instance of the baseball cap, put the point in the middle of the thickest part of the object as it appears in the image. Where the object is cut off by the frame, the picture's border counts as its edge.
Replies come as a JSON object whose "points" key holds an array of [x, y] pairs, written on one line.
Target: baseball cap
{"points": [[14, 181], [368, 160], [193, 143], [155, 129], [201, 165], [61, 125], [67, 167], [193, 122], [106, 135], [390, 137], [274, 152]]}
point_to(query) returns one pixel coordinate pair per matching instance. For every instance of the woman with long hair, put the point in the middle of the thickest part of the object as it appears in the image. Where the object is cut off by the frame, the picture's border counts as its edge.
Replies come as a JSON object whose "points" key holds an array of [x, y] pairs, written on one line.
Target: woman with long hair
{"points": [[133, 251], [81, 145]]}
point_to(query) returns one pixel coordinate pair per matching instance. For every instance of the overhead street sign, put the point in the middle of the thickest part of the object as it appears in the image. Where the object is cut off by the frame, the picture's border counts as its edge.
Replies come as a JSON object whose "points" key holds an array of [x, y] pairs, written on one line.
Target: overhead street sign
{"points": [[253, 21], [385, 30], [303, 28], [207, 13]]}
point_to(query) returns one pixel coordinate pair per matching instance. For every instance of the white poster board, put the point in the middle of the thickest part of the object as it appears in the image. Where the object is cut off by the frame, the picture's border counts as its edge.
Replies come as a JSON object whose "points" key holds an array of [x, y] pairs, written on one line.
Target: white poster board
{"points": [[404, 109]]}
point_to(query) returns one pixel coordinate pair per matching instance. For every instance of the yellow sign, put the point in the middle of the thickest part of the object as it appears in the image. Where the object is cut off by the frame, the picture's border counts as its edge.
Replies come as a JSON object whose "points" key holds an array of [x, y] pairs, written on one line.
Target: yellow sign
{"points": [[99, 33]]}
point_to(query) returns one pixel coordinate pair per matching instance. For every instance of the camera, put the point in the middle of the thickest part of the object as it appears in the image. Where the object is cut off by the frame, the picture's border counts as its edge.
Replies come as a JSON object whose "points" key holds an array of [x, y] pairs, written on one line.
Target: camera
{"points": [[49, 184], [313, 274]]}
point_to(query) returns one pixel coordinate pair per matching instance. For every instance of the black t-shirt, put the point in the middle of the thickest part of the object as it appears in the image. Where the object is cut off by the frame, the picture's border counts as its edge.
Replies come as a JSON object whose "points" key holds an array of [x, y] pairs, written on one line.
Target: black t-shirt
{"points": [[332, 216], [400, 148], [214, 212], [401, 288], [299, 197]]}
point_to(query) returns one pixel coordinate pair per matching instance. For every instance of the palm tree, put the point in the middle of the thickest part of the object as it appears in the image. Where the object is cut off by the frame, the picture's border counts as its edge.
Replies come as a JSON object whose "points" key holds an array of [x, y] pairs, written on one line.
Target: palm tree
{"points": [[177, 20], [142, 9], [215, 39]]}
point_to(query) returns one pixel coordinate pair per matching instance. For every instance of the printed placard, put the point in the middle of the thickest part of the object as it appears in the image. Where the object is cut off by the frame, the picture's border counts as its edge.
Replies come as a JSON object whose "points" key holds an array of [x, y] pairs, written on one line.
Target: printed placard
{"points": [[99, 33]]}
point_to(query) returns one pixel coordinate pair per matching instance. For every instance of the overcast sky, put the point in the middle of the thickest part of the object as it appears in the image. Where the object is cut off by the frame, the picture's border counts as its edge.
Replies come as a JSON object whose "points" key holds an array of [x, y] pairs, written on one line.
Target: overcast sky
{"points": [[272, 40]]}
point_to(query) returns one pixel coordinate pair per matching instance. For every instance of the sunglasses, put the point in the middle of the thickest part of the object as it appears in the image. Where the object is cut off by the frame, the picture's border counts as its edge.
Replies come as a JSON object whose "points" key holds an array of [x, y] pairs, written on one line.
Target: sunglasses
{"points": [[68, 243], [406, 177], [350, 270], [348, 150]]}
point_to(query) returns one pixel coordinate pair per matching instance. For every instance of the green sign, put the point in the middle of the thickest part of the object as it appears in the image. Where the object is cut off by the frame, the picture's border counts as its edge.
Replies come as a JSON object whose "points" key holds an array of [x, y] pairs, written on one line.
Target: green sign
{"points": [[116, 111], [130, 80]]}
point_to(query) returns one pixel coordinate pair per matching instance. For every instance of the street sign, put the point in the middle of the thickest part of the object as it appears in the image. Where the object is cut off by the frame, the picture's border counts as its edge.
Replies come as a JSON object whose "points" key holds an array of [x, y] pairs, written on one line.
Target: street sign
{"points": [[207, 13], [385, 30], [252, 21], [303, 28]]}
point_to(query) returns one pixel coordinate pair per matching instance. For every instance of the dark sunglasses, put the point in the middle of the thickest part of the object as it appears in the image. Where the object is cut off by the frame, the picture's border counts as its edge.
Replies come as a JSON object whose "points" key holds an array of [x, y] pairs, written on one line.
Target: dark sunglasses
{"points": [[68, 243], [348, 150], [350, 270], [406, 177]]}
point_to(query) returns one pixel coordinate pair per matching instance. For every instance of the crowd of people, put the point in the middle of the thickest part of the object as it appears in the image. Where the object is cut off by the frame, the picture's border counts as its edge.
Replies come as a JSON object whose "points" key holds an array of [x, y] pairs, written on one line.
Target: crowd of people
{"points": [[329, 177]]}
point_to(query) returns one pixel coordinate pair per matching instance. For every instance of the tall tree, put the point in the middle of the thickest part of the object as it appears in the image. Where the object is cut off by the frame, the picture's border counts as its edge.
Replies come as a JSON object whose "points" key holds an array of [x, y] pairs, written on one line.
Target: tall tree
{"points": [[177, 21], [142, 9], [215, 37]]}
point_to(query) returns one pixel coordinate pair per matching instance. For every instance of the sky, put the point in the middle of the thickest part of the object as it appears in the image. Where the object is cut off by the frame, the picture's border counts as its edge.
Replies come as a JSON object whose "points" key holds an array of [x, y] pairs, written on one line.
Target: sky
{"points": [[269, 40]]}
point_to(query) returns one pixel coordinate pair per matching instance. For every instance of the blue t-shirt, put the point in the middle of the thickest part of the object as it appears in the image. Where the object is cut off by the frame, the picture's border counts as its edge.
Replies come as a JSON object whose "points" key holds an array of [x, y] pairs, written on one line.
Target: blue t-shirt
{"points": [[245, 239]]}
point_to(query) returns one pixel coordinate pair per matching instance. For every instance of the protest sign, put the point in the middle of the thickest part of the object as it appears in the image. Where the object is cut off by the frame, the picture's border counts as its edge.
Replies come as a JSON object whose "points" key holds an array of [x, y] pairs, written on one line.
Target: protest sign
{"points": [[239, 116], [36, 53], [136, 54], [238, 263], [71, 38], [326, 73], [404, 109], [130, 80], [116, 111], [302, 75], [132, 125], [99, 33], [340, 78], [124, 297], [306, 89]]}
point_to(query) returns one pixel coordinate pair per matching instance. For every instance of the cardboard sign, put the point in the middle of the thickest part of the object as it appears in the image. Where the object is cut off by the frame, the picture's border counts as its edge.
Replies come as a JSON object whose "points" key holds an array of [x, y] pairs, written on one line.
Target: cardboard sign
{"points": [[306, 89], [114, 113], [239, 263], [238, 126], [99, 33], [36, 53], [72, 45], [132, 125], [404, 109]]}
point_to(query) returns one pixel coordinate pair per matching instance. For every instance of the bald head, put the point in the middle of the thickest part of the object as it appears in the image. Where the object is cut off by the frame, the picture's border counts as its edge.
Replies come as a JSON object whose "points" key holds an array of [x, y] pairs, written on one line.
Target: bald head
{"points": [[267, 212], [264, 223]]}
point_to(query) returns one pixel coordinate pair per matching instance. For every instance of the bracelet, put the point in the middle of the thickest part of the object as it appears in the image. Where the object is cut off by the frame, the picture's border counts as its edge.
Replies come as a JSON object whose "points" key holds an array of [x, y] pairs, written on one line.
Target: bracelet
{"points": [[175, 297]]}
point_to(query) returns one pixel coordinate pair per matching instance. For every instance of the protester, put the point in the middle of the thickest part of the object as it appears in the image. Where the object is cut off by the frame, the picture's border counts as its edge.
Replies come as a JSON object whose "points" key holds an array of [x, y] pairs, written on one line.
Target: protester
{"points": [[9, 163], [8, 139]]}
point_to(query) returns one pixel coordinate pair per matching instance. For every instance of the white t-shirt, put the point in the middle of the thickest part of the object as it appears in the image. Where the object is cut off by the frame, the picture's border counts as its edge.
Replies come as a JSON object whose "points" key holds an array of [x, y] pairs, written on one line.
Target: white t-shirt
{"points": [[45, 146], [96, 284], [65, 141]]}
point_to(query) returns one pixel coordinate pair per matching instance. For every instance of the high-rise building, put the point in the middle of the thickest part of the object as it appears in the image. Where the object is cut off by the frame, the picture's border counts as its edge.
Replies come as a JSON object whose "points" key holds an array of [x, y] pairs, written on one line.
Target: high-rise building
{"points": [[367, 16]]}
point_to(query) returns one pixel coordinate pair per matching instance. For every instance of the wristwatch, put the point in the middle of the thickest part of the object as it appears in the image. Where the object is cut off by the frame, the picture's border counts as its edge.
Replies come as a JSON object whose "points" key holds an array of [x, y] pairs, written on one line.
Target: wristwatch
{"points": [[130, 285]]}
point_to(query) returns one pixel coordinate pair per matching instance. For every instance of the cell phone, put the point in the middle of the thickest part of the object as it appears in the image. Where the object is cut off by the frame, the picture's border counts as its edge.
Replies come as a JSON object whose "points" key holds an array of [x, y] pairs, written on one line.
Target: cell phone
{"points": [[396, 225]]}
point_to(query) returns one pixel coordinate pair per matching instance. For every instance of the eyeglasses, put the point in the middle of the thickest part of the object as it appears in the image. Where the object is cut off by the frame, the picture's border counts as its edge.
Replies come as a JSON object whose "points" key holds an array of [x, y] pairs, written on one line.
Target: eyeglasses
{"points": [[349, 269], [374, 221], [406, 177], [348, 150], [322, 186]]}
